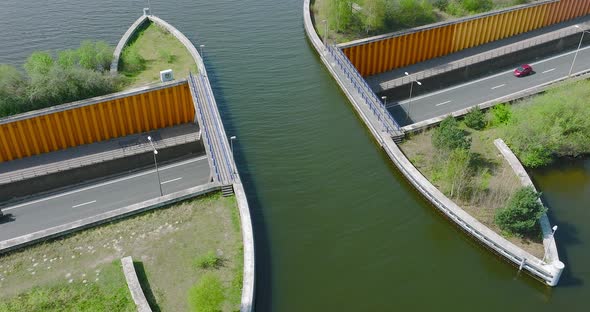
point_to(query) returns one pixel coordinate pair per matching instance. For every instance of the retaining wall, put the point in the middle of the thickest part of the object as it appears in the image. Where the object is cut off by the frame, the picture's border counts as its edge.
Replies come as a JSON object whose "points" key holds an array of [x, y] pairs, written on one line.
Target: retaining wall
{"points": [[96, 119], [124, 40], [488, 238], [134, 286], [386, 52]]}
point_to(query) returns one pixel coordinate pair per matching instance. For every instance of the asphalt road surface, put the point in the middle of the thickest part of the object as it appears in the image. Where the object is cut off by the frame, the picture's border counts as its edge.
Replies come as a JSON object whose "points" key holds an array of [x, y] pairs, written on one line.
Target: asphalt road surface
{"points": [[488, 88], [89, 200]]}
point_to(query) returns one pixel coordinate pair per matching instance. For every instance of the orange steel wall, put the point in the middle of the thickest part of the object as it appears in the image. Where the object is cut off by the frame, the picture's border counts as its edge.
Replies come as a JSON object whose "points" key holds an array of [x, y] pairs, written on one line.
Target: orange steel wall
{"points": [[390, 53], [102, 121]]}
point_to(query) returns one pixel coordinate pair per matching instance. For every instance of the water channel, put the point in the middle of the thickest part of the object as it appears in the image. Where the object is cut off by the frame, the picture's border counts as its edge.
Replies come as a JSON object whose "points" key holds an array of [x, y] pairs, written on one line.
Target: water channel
{"points": [[336, 226]]}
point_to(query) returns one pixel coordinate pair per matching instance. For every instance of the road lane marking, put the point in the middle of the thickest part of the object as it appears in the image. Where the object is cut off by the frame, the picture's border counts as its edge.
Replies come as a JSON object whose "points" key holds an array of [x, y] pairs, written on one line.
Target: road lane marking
{"points": [[84, 204], [105, 183], [443, 103], [171, 180], [416, 98], [500, 86], [549, 70]]}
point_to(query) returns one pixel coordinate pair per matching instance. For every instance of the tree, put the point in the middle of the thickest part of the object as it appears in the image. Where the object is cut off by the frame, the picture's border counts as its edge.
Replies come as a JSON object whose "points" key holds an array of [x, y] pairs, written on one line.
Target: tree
{"points": [[38, 64], [522, 213], [95, 55], [339, 14], [448, 136], [13, 88], [457, 172], [373, 17], [475, 119], [67, 58]]}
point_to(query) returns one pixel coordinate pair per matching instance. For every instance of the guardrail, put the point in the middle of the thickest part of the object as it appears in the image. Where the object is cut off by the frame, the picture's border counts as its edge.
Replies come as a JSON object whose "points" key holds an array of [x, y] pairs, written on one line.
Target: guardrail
{"points": [[377, 107], [488, 55]]}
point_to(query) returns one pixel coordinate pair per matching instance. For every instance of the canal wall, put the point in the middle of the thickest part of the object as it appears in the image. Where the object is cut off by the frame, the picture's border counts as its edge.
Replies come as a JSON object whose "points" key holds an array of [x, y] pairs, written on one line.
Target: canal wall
{"points": [[551, 255], [248, 283], [488, 238], [386, 52], [125, 39]]}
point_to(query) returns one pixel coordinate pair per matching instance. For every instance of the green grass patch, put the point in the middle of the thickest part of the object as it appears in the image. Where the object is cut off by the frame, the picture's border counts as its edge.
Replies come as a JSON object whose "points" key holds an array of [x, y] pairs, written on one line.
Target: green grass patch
{"points": [[152, 50], [105, 291], [210, 260]]}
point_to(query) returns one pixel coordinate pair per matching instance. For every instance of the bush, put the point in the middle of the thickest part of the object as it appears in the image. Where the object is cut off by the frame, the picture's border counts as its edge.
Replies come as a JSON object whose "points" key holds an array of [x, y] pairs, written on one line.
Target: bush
{"points": [[475, 119], [477, 6], [501, 114], [455, 173], [441, 4], [448, 136], [209, 260], [131, 60], [207, 295], [522, 213]]}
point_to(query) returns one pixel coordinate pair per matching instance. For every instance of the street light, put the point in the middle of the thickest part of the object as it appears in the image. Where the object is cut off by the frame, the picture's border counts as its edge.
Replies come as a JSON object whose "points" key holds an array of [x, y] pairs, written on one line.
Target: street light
{"points": [[384, 98], [553, 230], [202, 46], [156, 164], [578, 50], [231, 143], [411, 88]]}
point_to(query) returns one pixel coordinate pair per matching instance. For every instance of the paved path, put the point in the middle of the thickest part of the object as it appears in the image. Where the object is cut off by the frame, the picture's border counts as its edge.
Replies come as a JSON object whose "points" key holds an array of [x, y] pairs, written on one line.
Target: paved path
{"points": [[77, 203], [486, 89]]}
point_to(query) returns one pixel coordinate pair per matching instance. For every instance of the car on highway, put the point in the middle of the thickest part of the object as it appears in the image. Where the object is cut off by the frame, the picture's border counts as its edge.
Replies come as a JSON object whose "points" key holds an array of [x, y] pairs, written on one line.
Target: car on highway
{"points": [[523, 70]]}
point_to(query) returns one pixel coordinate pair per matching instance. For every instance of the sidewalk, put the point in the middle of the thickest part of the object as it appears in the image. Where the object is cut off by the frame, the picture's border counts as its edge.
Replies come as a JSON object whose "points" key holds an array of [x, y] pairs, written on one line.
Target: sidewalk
{"points": [[89, 154], [436, 66]]}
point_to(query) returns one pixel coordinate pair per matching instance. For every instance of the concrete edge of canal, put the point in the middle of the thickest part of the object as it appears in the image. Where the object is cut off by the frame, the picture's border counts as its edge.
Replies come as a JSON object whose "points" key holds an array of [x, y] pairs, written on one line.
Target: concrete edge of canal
{"points": [[248, 282], [488, 238]]}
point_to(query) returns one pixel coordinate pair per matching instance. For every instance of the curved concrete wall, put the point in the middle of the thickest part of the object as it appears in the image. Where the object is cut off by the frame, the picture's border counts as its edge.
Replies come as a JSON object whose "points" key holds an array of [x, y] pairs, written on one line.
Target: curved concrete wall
{"points": [[515, 255], [134, 287], [248, 284], [386, 52], [123, 42], [96, 119]]}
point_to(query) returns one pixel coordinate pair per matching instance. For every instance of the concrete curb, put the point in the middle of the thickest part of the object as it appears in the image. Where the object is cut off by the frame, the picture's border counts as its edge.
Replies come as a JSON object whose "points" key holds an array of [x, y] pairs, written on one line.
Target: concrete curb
{"points": [[123, 42], [421, 125], [466, 222], [134, 286], [60, 230], [549, 243]]}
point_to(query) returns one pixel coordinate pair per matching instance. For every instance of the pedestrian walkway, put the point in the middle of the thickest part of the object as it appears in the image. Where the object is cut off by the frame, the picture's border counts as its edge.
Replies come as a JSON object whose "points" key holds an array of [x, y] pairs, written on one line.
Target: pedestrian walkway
{"points": [[89, 154], [463, 58]]}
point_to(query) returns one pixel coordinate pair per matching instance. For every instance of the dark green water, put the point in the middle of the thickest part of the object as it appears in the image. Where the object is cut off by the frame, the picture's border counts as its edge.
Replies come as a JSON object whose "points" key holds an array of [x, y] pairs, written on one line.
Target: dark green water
{"points": [[337, 228]]}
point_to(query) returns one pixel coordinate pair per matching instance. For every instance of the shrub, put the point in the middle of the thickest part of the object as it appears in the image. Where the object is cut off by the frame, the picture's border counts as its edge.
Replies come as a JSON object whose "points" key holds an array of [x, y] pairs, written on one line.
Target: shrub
{"points": [[501, 114], [441, 4], [448, 136], [475, 119], [477, 6], [131, 60], [522, 213], [209, 260], [207, 295], [456, 173]]}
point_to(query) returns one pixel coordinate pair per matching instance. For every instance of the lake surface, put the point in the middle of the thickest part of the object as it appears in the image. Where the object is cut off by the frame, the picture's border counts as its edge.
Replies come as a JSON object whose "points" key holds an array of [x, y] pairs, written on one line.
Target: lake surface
{"points": [[336, 226]]}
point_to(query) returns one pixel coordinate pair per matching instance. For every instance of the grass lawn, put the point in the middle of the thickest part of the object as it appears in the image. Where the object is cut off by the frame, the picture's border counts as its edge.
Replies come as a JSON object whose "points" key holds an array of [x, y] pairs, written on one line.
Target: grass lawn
{"points": [[160, 51], [164, 243], [496, 185]]}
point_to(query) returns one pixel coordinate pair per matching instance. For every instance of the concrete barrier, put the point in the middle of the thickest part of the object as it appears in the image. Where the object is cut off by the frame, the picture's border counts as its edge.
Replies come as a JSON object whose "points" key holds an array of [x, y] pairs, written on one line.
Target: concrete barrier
{"points": [[134, 287], [124, 40], [488, 238], [551, 255], [57, 231]]}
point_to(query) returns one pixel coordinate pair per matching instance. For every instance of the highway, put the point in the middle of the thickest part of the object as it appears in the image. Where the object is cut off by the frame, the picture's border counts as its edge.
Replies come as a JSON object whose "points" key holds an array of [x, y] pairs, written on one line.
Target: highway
{"points": [[485, 89], [93, 199]]}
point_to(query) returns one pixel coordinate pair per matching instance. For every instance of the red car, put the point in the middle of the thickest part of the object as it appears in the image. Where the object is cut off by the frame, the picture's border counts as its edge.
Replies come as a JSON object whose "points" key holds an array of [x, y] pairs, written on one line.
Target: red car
{"points": [[523, 70]]}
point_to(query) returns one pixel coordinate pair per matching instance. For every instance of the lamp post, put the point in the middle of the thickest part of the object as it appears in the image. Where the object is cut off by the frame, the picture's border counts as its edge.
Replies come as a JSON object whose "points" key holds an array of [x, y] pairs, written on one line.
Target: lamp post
{"points": [[231, 143], [553, 230], [150, 7], [411, 88], [578, 50], [384, 98], [156, 164], [202, 46]]}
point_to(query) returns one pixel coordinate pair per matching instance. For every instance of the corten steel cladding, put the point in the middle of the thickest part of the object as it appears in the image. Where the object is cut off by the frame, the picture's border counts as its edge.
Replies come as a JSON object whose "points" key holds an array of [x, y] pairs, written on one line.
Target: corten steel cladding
{"points": [[398, 51], [113, 118]]}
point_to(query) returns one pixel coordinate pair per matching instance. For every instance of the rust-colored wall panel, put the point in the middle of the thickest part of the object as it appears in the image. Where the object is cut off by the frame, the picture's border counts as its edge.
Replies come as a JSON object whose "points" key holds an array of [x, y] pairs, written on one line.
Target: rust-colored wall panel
{"points": [[399, 51], [101, 121]]}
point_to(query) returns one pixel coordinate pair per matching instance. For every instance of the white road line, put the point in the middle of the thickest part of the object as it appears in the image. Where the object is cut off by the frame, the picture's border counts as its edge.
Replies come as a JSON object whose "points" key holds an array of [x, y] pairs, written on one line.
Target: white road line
{"points": [[443, 103], [171, 180], [500, 86], [105, 183], [416, 98], [84, 204], [549, 70]]}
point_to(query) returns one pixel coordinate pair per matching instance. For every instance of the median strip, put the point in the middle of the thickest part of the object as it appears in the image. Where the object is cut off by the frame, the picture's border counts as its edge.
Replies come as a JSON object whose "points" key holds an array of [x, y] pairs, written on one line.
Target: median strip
{"points": [[84, 204]]}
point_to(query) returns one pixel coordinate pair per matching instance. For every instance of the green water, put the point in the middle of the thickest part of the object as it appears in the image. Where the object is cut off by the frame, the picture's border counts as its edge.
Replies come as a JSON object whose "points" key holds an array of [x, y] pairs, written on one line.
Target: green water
{"points": [[336, 226]]}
